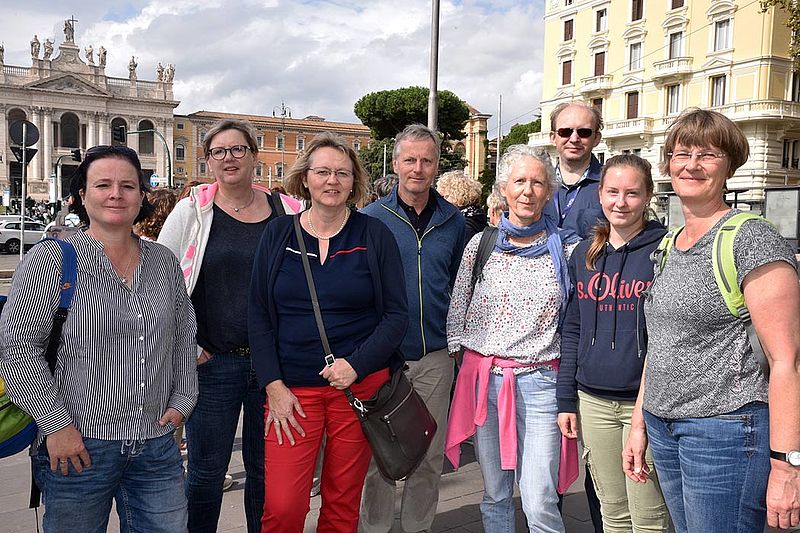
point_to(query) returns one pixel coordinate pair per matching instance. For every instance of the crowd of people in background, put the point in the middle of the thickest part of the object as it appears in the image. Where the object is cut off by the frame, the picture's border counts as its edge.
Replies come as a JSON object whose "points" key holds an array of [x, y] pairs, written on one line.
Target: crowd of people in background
{"points": [[542, 302]]}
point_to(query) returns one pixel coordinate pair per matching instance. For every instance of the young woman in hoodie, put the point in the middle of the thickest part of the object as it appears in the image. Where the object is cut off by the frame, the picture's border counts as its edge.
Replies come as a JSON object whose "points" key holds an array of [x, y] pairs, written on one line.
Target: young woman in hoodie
{"points": [[604, 341]]}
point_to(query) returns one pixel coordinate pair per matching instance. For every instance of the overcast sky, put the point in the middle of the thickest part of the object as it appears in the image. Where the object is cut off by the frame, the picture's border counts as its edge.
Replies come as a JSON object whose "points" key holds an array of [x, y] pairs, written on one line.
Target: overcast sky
{"points": [[318, 56]]}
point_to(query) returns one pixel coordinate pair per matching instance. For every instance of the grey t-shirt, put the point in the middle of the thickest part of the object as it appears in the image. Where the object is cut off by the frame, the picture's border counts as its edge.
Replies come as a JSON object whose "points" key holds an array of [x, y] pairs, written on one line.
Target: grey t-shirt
{"points": [[699, 360]]}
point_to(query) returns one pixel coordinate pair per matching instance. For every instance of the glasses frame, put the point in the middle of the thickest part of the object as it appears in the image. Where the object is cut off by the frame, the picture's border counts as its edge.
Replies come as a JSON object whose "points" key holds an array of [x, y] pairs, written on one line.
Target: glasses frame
{"points": [[698, 155], [325, 173], [583, 133], [230, 150]]}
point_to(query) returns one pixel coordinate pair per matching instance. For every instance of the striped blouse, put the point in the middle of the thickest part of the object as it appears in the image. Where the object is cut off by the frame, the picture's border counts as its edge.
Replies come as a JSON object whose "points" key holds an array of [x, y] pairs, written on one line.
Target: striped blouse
{"points": [[126, 355]]}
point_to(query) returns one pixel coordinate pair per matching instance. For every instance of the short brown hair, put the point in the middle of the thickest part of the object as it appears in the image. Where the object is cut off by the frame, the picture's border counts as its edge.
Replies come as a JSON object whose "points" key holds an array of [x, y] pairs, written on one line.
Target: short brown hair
{"points": [[231, 124], [294, 179], [597, 118], [700, 127]]}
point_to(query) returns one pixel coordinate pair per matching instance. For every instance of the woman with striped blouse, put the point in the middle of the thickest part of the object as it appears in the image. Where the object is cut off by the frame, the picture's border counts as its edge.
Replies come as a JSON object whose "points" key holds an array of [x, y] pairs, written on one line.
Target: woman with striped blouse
{"points": [[126, 374]]}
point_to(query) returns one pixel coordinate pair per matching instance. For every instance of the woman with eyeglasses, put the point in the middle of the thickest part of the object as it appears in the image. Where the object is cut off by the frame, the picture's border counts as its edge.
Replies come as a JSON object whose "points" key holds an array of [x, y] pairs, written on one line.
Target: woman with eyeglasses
{"points": [[214, 233], [724, 431], [125, 376], [355, 264]]}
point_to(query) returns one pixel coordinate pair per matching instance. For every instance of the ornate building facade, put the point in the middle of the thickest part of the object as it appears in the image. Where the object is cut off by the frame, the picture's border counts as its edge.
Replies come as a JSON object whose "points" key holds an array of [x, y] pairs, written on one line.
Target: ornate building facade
{"points": [[642, 62], [74, 104]]}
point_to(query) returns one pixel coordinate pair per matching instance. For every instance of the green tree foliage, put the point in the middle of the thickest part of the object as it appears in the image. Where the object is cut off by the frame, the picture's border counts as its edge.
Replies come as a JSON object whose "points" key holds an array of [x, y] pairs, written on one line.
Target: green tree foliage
{"points": [[519, 134], [792, 9], [386, 113]]}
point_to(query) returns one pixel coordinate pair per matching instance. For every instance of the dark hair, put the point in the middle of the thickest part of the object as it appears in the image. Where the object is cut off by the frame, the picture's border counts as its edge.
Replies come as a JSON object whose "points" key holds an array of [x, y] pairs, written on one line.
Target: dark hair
{"points": [[294, 179], [701, 127], [96, 153], [603, 228]]}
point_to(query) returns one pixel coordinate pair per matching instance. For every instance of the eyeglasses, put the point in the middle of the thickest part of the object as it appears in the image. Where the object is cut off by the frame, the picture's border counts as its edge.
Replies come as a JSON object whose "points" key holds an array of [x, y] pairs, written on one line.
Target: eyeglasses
{"points": [[237, 152], [583, 133], [683, 158], [325, 173]]}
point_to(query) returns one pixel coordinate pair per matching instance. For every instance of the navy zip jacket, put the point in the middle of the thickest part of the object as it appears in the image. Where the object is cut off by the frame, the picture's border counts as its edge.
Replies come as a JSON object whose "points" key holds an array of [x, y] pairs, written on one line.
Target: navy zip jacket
{"points": [[430, 265], [585, 210], [604, 340], [378, 350]]}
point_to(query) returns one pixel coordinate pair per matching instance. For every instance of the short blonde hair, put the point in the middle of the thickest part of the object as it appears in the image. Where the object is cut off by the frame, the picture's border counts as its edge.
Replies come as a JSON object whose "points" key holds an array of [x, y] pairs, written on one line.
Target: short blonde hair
{"points": [[459, 188], [231, 124], [294, 179]]}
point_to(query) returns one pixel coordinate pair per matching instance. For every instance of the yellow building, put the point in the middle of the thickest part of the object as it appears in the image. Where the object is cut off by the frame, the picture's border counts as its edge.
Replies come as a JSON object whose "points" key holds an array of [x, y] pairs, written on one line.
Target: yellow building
{"points": [[473, 147], [644, 61]]}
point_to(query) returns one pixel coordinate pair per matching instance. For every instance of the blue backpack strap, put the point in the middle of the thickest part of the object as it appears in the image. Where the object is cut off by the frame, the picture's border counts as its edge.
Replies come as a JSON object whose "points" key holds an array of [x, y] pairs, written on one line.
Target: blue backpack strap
{"points": [[69, 275]]}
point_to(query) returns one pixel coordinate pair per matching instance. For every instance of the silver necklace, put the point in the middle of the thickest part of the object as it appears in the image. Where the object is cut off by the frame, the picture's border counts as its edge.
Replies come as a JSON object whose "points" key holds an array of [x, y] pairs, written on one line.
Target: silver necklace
{"points": [[334, 234], [245, 206], [124, 276]]}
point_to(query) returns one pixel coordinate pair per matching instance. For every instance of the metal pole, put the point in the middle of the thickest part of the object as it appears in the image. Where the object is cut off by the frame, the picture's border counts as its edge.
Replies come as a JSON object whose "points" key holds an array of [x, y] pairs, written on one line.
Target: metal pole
{"points": [[57, 185], [384, 159], [24, 190], [499, 126], [166, 148], [433, 96]]}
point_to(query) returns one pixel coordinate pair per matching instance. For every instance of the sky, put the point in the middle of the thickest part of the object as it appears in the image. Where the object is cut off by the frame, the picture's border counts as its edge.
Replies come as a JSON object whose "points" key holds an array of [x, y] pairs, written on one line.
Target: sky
{"points": [[318, 57]]}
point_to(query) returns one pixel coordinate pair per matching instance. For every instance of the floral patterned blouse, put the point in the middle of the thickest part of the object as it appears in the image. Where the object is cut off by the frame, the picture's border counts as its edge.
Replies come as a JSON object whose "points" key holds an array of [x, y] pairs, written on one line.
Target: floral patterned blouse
{"points": [[512, 312]]}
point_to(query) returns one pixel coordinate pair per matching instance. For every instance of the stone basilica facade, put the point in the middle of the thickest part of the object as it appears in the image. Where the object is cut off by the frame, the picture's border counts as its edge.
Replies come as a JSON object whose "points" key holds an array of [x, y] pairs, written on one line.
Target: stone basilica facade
{"points": [[75, 105]]}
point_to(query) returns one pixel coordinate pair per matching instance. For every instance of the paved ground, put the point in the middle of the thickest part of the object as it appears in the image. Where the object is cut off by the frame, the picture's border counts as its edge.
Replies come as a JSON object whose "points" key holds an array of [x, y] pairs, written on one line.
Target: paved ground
{"points": [[457, 511]]}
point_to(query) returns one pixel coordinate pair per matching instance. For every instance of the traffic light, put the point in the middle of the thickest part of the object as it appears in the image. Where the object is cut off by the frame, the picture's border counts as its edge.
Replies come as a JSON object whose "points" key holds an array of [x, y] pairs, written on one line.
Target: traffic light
{"points": [[118, 134], [76, 155]]}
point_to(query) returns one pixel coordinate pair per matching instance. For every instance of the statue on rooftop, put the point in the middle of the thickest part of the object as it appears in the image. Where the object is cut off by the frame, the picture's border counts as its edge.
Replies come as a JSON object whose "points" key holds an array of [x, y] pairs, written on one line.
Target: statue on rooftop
{"points": [[169, 73], [35, 47], [48, 48], [89, 54], [101, 56], [69, 30]]}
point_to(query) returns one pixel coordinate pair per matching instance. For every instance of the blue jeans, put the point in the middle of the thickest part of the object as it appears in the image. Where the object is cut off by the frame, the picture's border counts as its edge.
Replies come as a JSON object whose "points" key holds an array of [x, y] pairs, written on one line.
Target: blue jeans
{"points": [[538, 453], [145, 478], [227, 383], [714, 471]]}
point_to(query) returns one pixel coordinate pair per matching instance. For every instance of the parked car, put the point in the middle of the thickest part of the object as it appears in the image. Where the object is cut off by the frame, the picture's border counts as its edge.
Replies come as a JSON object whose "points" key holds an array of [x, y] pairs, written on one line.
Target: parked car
{"points": [[9, 235], [63, 226]]}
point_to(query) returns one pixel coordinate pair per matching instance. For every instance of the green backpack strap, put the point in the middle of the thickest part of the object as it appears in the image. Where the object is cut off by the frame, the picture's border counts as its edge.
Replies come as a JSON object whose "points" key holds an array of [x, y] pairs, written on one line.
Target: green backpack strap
{"points": [[726, 276], [660, 254]]}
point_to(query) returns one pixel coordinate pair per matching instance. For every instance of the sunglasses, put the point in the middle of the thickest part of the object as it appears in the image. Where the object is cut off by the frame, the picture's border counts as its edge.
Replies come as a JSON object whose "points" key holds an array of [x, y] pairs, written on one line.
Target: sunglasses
{"points": [[583, 133]]}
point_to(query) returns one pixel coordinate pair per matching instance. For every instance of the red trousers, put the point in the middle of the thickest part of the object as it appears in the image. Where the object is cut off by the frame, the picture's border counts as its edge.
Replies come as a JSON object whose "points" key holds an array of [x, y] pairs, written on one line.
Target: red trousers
{"points": [[289, 470]]}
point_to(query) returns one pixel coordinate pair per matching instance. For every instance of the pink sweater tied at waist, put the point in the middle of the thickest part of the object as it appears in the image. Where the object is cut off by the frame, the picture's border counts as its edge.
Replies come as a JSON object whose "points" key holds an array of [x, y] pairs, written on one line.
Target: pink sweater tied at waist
{"points": [[469, 407]]}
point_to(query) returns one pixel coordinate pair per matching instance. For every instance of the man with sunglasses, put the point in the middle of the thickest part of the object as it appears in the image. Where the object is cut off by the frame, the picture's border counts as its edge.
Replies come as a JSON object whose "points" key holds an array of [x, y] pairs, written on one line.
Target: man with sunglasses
{"points": [[575, 131]]}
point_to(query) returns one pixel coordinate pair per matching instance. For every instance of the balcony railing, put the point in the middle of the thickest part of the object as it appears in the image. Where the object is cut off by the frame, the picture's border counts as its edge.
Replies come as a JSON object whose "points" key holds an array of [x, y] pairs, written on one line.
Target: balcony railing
{"points": [[631, 126], [677, 66], [595, 84]]}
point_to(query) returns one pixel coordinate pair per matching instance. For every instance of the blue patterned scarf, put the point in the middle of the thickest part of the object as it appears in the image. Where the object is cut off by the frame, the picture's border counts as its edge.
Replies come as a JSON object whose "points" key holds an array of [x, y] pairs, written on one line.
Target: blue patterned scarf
{"points": [[556, 239]]}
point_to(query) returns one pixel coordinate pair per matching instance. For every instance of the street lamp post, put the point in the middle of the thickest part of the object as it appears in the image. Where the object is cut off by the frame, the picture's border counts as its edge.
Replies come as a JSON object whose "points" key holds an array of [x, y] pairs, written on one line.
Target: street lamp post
{"points": [[166, 148], [283, 112]]}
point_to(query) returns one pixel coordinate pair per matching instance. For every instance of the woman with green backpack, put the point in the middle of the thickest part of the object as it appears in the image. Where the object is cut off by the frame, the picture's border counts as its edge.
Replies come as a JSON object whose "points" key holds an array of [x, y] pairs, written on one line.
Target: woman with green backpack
{"points": [[723, 438]]}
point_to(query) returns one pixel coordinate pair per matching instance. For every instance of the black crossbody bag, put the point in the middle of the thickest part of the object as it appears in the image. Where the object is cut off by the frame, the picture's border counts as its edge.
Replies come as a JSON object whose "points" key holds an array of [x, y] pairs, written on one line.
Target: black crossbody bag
{"points": [[396, 422]]}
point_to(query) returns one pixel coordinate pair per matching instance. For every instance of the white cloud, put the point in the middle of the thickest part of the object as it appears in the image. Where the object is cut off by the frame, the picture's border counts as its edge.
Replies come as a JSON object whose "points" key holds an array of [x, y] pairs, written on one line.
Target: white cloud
{"points": [[317, 56]]}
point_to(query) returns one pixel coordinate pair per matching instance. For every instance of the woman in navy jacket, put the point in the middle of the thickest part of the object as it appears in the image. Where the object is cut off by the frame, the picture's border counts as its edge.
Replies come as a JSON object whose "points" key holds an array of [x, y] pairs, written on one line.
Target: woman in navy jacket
{"points": [[604, 341], [359, 280]]}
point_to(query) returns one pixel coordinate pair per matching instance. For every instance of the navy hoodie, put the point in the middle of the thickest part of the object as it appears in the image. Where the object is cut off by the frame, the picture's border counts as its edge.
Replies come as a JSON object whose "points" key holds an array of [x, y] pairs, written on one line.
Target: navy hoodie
{"points": [[602, 343]]}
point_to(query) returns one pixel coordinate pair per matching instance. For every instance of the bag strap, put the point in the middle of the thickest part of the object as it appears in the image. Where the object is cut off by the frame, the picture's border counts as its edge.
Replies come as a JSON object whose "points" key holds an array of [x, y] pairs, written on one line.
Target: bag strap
{"points": [[726, 276], [278, 207], [312, 289], [488, 239], [69, 274]]}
